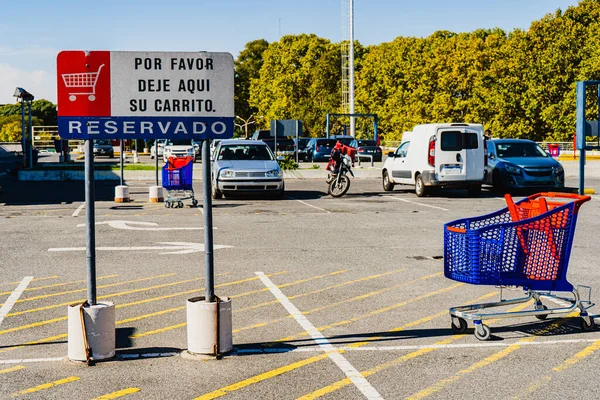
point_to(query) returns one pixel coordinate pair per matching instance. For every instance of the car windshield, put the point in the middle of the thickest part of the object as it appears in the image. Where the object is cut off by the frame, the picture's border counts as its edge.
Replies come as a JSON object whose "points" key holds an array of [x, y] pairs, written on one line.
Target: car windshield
{"points": [[511, 150], [102, 142], [326, 142], [245, 152], [179, 142]]}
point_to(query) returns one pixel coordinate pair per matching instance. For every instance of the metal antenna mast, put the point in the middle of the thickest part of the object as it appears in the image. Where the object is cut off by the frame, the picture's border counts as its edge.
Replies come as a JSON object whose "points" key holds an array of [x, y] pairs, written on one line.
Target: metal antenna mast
{"points": [[348, 61]]}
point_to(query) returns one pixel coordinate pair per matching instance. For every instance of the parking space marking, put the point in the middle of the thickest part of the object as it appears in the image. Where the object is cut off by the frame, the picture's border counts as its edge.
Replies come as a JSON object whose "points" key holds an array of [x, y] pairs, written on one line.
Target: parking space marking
{"points": [[438, 386], [45, 296], [367, 278], [31, 360], [120, 393], [14, 297], [291, 367], [414, 202], [340, 384], [566, 364], [62, 336], [341, 302], [78, 210], [46, 386], [62, 284], [33, 280], [347, 368], [310, 205], [13, 369]]}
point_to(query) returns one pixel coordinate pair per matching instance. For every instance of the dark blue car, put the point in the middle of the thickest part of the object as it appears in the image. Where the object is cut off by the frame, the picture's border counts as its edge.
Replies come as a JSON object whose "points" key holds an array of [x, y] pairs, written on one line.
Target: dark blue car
{"points": [[319, 149], [521, 164]]}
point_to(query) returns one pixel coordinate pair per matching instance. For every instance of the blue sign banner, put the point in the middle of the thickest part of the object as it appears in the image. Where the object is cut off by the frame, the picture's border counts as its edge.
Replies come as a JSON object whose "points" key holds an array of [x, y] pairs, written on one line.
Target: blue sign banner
{"points": [[197, 128]]}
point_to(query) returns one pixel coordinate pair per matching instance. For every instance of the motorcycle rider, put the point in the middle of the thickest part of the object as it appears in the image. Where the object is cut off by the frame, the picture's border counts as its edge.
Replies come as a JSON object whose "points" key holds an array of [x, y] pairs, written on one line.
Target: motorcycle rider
{"points": [[336, 157]]}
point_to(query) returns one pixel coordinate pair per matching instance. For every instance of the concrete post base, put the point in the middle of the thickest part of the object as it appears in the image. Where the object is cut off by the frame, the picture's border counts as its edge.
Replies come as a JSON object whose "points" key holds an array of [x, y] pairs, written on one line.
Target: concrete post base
{"points": [[136, 159], [156, 194], [99, 330], [208, 328], [122, 194]]}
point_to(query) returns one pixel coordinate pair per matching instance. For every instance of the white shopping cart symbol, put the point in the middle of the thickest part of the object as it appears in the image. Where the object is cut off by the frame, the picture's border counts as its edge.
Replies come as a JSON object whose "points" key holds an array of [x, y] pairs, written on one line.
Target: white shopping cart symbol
{"points": [[82, 81]]}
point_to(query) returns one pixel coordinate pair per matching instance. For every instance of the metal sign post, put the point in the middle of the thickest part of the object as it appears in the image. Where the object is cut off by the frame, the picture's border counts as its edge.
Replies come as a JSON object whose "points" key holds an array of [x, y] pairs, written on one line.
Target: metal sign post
{"points": [[208, 230], [122, 149], [156, 160], [90, 217]]}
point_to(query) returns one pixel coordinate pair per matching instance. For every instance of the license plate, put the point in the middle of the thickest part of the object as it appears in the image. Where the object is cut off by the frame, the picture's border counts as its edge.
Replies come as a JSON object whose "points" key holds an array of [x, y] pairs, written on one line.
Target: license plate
{"points": [[451, 170]]}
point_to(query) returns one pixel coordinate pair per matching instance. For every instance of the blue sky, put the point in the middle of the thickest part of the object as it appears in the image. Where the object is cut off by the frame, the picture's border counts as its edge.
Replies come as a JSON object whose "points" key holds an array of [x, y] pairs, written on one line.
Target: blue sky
{"points": [[32, 32]]}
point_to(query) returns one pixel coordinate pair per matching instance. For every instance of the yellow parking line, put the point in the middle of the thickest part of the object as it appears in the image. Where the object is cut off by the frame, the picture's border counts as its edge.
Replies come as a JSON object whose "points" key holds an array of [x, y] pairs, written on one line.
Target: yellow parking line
{"points": [[46, 386], [13, 369], [340, 384], [61, 284], [566, 364], [372, 313], [367, 278], [45, 296], [33, 280], [261, 377], [290, 367], [438, 386], [52, 338], [116, 395]]}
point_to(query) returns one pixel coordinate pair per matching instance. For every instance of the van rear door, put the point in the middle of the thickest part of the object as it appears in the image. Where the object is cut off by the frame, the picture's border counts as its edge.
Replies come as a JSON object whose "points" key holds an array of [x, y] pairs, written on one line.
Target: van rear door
{"points": [[459, 154]]}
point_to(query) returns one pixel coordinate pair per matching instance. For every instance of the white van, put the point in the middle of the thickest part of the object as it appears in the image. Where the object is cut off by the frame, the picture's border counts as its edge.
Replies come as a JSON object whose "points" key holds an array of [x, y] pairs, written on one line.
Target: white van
{"points": [[442, 155]]}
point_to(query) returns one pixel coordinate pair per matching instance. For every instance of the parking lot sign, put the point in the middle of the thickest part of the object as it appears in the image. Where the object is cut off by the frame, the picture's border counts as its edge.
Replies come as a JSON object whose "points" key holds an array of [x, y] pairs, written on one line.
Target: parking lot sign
{"points": [[145, 95]]}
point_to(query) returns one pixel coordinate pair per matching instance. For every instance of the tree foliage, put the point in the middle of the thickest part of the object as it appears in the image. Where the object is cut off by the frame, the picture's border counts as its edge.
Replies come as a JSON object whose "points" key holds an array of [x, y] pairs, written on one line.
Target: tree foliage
{"points": [[518, 84], [42, 111], [247, 68]]}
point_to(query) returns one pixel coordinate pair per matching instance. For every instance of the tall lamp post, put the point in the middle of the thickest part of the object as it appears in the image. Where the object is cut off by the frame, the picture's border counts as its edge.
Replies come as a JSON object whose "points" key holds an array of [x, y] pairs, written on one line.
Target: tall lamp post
{"points": [[25, 97]]}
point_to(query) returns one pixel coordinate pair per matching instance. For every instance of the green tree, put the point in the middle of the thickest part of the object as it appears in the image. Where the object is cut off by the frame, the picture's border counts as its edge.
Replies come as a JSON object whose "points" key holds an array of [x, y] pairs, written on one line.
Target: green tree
{"points": [[247, 68], [300, 79]]}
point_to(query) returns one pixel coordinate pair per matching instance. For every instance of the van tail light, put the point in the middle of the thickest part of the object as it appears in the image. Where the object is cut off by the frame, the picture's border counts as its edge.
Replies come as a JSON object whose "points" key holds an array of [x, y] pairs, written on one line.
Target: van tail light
{"points": [[360, 150], [318, 147], [431, 154]]}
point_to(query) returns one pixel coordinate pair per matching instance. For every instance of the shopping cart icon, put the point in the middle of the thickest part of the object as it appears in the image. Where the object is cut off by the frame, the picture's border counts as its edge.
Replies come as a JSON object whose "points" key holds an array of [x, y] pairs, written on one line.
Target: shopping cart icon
{"points": [[82, 81]]}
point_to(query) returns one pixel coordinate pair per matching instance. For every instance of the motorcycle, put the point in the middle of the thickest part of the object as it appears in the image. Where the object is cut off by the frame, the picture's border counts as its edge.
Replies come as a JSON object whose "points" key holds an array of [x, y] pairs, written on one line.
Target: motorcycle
{"points": [[339, 182]]}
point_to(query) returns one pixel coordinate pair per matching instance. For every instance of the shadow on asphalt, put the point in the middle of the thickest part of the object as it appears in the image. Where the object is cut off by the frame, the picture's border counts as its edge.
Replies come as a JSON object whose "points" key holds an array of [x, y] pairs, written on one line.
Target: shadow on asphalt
{"points": [[567, 326], [16, 192]]}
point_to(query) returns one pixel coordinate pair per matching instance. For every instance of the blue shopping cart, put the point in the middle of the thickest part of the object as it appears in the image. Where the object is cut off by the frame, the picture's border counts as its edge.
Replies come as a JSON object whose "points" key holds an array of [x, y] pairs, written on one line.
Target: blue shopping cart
{"points": [[526, 245], [177, 180]]}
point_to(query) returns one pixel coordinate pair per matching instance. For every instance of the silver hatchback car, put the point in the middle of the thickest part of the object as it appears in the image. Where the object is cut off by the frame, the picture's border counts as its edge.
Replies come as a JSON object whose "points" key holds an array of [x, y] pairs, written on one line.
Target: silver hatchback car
{"points": [[242, 166]]}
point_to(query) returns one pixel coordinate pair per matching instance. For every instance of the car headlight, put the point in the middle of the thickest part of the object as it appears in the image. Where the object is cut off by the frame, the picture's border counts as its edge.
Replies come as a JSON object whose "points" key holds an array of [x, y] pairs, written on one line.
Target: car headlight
{"points": [[227, 173], [558, 170], [276, 173], [511, 169]]}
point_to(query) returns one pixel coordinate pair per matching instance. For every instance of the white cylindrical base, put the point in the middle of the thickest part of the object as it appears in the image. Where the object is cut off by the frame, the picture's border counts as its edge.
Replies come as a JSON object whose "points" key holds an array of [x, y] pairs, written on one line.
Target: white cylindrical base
{"points": [[136, 159], [202, 326], [156, 194], [122, 194], [99, 330]]}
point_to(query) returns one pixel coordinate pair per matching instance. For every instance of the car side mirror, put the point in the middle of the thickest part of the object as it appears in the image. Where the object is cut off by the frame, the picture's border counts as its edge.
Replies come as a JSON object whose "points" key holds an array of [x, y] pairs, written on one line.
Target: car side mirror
{"points": [[491, 156], [391, 154], [280, 158]]}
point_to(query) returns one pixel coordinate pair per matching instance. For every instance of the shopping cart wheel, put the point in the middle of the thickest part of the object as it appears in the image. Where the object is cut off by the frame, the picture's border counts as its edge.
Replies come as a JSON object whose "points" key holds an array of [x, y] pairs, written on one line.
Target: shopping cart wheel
{"points": [[195, 203], [587, 323], [459, 325], [72, 97], [167, 205], [543, 316], [180, 204], [482, 331], [91, 97]]}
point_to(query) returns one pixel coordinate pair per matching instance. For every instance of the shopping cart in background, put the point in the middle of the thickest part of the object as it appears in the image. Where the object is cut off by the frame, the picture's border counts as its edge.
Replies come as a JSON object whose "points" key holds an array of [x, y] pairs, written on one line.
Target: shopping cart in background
{"points": [[177, 181], [81, 81], [525, 245]]}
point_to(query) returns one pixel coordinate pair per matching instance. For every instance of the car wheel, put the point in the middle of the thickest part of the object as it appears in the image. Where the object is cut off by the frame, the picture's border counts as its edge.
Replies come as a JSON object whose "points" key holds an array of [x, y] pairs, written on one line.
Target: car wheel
{"points": [[474, 190], [388, 186], [420, 188], [216, 193]]}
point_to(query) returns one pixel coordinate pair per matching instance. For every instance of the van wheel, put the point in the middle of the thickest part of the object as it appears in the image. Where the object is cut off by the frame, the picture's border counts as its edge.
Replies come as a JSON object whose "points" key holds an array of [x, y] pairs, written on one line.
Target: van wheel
{"points": [[388, 186], [420, 188], [474, 190]]}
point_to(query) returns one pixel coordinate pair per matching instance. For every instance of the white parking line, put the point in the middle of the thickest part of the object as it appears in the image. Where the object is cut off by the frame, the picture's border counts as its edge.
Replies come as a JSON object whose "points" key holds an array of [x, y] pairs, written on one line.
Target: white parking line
{"points": [[126, 356], [307, 349], [310, 205], [14, 296], [76, 212], [352, 373], [414, 202]]}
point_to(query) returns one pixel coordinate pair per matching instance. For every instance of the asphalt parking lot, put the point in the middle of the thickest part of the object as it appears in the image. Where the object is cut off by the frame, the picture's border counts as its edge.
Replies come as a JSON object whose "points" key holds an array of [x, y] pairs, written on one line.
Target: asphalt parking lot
{"points": [[364, 269]]}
